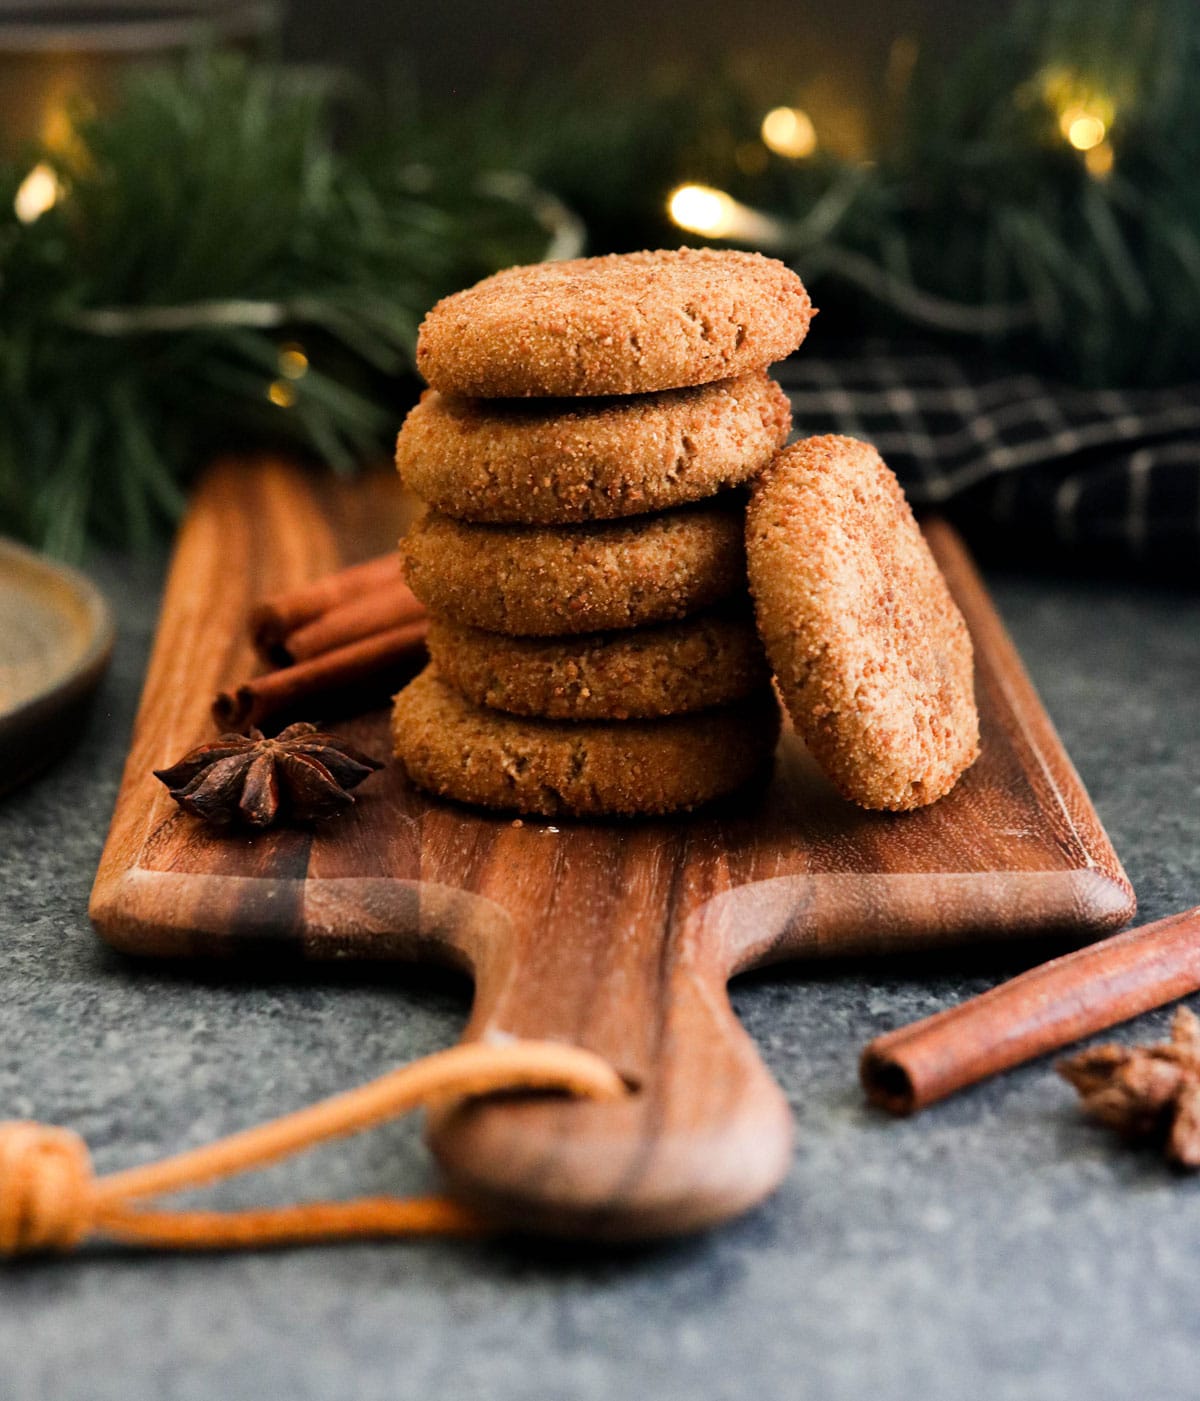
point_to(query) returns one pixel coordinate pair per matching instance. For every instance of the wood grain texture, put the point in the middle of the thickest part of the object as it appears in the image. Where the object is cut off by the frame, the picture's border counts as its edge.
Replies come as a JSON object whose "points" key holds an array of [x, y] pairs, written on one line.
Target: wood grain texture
{"points": [[618, 937], [56, 636]]}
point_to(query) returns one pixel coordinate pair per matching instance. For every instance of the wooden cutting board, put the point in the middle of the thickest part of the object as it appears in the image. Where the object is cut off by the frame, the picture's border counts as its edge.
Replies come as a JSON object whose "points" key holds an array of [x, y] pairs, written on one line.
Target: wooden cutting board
{"points": [[619, 937]]}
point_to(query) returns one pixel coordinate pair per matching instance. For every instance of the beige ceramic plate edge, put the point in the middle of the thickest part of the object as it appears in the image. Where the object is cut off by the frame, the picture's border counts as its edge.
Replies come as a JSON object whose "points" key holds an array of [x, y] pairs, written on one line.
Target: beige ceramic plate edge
{"points": [[56, 636]]}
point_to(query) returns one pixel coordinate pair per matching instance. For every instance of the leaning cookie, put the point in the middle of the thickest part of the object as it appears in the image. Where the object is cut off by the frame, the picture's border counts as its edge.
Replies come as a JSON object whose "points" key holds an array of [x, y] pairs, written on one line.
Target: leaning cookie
{"points": [[557, 461], [871, 655], [460, 750], [627, 323], [550, 580], [709, 659]]}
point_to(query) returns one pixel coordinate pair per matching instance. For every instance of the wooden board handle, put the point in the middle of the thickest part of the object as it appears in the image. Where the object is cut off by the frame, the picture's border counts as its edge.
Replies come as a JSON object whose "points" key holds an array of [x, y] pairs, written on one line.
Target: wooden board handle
{"points": [[706, 1132]]}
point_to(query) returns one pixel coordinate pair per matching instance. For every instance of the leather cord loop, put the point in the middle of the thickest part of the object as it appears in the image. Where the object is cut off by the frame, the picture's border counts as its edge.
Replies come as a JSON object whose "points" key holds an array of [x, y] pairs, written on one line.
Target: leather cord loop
{"points": [[50, 1199]]}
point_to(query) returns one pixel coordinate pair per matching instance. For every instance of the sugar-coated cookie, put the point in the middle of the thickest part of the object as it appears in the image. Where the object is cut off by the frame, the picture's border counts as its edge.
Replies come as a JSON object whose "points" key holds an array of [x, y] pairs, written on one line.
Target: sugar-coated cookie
{"points": [[549, 580], [870, 653], [558, 461], [709, 659], [460, 750], [627, 323]]}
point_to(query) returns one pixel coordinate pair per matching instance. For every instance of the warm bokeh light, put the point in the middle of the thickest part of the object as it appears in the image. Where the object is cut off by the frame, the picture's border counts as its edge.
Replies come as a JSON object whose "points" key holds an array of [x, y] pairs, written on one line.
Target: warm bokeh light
{"points": [[58, 130], [788, 131], [281, 393], [714, 214], [1083, 129], [1099, 161], [1083, 110], [703, 210], [293, 362], [40, 190]]}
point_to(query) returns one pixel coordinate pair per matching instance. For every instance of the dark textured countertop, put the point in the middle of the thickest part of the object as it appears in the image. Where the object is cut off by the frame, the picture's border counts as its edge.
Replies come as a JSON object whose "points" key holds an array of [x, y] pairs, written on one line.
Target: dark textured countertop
{"points": [[997, 1245]]}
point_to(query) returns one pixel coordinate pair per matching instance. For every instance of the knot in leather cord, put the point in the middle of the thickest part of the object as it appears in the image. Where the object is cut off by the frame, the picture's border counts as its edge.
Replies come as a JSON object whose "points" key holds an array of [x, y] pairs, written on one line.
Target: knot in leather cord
{"points": [[46, 1182]]}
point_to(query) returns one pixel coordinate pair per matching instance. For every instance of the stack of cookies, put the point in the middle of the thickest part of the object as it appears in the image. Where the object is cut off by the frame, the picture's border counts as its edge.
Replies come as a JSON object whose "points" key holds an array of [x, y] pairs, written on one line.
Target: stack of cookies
{"points": [[580, 450]]}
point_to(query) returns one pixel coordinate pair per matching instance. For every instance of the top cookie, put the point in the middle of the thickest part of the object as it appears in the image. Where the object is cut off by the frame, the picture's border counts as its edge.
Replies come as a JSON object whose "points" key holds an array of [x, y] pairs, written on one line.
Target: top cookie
{"points": [[627, 323], [871, 654]]}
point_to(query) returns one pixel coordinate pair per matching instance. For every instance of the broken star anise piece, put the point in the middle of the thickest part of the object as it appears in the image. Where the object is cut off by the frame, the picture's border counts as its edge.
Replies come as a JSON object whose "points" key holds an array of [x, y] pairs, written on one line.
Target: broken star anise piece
{"points": [[1146, 1092], [302, 773]]}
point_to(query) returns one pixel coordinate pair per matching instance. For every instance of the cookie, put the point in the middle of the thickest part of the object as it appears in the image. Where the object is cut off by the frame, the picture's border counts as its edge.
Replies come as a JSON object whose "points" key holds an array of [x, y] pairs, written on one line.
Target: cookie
{"points": [[870, 653], [550, 580], [627, 323], [559, 461], [460, 750], [706, 660]]}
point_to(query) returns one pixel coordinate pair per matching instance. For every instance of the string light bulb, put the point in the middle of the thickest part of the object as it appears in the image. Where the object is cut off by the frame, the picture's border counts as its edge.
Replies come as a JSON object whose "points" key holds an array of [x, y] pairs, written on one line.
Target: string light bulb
{"points": [[702, 210], [788, 131], [713, 214], [281, 393], [39, 191], [1083, 111], [1082, 129], [293, 362]]}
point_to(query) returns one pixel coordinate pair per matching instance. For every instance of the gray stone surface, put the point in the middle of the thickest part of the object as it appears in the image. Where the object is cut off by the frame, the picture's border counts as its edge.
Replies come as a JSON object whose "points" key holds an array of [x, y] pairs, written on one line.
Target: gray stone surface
{"points": [[997, 1245]]}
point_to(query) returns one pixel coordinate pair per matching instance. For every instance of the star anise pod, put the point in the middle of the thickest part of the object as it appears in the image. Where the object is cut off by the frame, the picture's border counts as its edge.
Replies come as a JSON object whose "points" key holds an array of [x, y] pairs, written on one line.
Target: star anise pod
{"points": [[302, 773], [1146, 1092]]}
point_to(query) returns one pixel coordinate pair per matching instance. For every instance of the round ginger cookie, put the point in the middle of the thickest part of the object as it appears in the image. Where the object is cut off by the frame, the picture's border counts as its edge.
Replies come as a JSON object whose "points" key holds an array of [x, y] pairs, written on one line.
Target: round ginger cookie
{"points": [[536, 580], [706, 660], [870, 652], [456, 749], [626, 323], [561, 461]]}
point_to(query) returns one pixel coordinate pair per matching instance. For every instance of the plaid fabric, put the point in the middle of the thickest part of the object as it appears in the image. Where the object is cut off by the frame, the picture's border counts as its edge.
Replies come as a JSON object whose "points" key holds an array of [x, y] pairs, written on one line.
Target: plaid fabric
{"points": [[1025, 465]]}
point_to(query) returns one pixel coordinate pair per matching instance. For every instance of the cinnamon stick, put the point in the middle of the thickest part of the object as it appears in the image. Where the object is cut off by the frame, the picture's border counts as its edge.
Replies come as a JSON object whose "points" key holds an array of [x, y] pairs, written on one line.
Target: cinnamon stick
{"points": [[388, 606], [375, 662], [274, 618], [1046, 1008]]}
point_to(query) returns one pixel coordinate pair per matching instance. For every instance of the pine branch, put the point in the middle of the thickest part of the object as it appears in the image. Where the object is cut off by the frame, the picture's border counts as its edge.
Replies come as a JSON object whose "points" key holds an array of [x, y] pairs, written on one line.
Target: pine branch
{"points": [[206, 225]]}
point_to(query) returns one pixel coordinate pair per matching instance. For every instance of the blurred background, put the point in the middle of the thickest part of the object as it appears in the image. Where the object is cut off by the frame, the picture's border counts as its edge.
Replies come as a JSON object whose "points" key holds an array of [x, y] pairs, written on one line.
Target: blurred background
{"points": [[831, 58], [226, 218]]}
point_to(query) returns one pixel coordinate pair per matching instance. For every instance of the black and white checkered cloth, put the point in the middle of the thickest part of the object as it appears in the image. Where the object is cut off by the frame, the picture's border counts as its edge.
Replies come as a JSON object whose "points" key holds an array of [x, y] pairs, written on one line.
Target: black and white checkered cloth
{"points": [[1028, 467]]}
